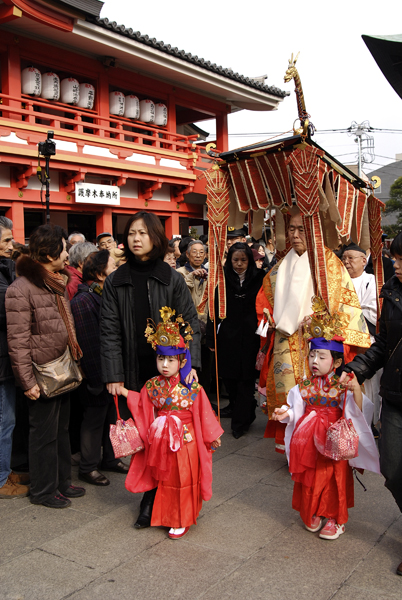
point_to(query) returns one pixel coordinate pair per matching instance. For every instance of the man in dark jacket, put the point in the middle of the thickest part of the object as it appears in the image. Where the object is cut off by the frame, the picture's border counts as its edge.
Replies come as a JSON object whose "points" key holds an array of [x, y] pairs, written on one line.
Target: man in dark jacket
{"points": [[386, 352], [9, 482]]}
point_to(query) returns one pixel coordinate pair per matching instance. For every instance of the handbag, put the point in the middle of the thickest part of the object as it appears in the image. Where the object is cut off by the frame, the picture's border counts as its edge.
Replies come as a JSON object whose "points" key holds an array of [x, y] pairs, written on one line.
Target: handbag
{"points": [[124, 436], [58, 376], [342, 439]]}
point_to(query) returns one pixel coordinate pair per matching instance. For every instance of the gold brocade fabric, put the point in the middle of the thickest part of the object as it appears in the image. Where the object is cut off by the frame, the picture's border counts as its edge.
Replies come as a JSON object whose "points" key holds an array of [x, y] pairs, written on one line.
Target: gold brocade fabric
{"points": [[284, 369]]}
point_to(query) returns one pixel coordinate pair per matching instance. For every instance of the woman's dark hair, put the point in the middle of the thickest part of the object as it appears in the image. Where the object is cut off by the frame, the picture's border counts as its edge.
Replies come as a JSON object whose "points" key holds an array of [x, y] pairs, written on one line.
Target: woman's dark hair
{"points": [[251, 267], [396, 245], [155, 231], [184, 244], [18, 249], [256, 246], [173, 241], [94, 265], [46, 240]]}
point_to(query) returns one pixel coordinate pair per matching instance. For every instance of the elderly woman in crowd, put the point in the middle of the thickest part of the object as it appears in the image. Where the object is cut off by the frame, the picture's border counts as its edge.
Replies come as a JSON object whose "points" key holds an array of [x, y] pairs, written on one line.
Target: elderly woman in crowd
{"points": [[170, 258], [99, 410], [76, 256], [40, 327], [237, 342], [131, 295]]}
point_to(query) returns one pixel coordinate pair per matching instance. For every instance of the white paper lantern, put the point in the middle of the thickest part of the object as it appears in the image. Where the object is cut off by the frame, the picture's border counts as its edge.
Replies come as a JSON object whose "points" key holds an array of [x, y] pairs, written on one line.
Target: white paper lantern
{"points": [[70, 91], [31, 81], [116, 103], [50, 86], [87, 96], [161, 114], [147, 111], [132, 109]]}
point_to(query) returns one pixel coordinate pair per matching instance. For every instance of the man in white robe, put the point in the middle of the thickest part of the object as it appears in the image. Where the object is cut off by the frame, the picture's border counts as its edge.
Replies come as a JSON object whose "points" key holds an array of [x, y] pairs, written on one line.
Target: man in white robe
{"points": [[354, 259]]}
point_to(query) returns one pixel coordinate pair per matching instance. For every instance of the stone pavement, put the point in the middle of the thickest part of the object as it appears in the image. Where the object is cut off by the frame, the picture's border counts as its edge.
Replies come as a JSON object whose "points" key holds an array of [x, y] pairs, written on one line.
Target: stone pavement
{"points": [[248, 542]]}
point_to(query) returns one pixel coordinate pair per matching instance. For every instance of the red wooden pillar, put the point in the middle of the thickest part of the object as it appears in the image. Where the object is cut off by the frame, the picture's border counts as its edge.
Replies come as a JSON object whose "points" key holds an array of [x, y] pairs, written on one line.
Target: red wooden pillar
{"points": [[103, 102], [172, 227], [172, 116], [16, 214], [222, 137], [104, 221], [12, 80]]}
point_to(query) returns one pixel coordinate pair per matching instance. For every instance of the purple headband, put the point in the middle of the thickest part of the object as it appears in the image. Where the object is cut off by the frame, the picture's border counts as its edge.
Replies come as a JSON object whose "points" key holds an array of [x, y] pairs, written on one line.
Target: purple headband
{"points": [[323, 344], [174, 351]]}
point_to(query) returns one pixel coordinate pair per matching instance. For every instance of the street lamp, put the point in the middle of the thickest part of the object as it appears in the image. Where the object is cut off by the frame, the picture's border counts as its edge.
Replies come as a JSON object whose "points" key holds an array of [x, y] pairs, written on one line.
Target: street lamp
{"points": [[46, 149]]}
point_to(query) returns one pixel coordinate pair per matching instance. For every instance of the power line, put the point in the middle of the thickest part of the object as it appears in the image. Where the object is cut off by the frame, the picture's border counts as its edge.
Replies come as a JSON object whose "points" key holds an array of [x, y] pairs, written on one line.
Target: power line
{"points": [[318, 131]]}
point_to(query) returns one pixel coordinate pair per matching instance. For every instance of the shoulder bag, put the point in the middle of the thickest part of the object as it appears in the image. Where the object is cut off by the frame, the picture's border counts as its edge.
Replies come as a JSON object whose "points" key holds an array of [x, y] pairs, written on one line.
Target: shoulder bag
{"points": [[58, 376]]}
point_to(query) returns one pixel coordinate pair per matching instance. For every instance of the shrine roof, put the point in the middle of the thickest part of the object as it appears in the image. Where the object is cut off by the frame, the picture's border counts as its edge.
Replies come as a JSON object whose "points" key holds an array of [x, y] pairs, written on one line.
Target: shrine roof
{"points": [[89, 7], [287, 143], [186, 56]]}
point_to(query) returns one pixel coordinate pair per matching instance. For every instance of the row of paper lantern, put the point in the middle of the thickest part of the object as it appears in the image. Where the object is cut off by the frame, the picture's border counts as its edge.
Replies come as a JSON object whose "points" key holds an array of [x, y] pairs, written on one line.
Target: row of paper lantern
{"points": [[70, 91], [142, 110], [48, 86]]}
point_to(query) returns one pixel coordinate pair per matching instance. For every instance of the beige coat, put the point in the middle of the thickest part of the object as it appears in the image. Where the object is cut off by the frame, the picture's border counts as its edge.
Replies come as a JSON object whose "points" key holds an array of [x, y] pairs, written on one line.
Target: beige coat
{"points": [[196, 287]]}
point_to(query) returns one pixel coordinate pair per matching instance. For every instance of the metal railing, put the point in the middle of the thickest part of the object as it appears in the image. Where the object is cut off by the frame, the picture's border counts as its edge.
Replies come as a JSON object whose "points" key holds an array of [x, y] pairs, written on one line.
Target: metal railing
{"points": [[110, 131]]}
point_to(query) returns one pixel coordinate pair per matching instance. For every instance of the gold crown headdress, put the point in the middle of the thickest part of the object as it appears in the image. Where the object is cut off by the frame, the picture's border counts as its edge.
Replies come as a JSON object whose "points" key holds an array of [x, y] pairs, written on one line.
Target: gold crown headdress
{"points": [[322, 324], [167, 332]]}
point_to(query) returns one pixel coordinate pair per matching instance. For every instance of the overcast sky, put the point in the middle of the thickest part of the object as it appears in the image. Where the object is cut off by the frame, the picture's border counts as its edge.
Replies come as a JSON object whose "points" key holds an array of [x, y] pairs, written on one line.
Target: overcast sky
{"points": [[341, 81]]}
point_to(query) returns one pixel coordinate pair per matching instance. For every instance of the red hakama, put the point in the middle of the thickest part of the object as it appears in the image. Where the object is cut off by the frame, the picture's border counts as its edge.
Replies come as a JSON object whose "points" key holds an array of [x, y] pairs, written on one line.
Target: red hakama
{"points": [[323, 487], [183, 477]]}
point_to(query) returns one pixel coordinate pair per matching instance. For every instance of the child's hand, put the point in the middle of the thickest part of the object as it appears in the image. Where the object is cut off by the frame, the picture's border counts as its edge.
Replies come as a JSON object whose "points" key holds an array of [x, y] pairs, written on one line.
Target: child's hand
{"points": [[216, 444], [350, 382], [279, 414], [123, 391]]}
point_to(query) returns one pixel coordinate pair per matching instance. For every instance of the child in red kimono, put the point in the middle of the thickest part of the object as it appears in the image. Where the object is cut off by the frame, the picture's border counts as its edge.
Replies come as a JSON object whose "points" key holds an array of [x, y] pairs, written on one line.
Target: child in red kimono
{"points": [[179, 430], [323, 487]]}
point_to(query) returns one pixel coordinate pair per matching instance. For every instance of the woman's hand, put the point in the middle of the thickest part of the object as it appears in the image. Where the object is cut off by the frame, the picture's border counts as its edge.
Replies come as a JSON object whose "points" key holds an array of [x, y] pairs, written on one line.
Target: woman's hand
{"points": [[33, 393], [115, 388], [279, 414], [216, 443], [192, 376]]}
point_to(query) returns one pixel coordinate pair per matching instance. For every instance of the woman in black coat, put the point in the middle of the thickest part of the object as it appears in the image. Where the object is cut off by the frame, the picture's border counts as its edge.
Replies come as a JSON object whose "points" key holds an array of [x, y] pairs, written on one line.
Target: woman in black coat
{"points": [[132, 294], [386, 353], [237, 342]]}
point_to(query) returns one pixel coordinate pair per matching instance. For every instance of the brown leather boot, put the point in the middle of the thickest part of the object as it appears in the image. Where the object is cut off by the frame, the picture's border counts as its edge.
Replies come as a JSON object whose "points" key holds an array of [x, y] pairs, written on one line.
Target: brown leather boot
{"points": [[13, 490], [20, 478]]}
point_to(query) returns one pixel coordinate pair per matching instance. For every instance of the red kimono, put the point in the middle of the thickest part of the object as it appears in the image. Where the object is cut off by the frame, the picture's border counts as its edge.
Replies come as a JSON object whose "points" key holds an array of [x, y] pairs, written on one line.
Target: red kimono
{"points": [[177, 427]]}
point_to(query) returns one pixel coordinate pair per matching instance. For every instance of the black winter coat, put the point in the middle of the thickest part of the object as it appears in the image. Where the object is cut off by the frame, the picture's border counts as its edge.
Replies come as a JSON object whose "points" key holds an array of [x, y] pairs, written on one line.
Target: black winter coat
{"points": [[7, 276], [86, 306], [386, 351], [237, 342], [118, 336]]}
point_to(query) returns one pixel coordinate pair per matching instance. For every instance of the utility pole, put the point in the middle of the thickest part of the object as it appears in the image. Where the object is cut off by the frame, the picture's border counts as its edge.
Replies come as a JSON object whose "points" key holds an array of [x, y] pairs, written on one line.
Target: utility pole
{"points": [[365, 143]]}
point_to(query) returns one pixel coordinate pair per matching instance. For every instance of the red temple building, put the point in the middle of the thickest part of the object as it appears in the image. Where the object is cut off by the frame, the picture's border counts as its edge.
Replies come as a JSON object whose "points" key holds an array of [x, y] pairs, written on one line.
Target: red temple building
{"points": [[123, 109]]}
